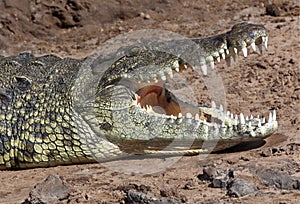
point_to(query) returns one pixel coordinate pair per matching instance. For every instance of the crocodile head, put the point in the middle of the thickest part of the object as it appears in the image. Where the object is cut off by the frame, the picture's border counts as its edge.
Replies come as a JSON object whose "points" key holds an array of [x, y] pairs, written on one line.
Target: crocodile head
{"points": [[140, 115]]}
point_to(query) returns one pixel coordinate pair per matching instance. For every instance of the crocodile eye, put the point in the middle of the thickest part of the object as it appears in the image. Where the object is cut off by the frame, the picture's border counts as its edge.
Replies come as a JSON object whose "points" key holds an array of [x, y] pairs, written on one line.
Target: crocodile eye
{"points": [[22, 83]]}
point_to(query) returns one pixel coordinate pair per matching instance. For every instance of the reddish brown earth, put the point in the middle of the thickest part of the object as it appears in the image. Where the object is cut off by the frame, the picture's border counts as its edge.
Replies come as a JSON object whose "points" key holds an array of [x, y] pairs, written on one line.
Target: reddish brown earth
{"points": [[256, 84]]}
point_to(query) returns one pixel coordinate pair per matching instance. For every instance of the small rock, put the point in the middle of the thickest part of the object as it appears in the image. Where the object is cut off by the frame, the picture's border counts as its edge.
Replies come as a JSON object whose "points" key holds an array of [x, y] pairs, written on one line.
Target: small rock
{"points": [[135, 197], [240, 187], [52, 190], [208, 173], [272, 10], [280, 180]]}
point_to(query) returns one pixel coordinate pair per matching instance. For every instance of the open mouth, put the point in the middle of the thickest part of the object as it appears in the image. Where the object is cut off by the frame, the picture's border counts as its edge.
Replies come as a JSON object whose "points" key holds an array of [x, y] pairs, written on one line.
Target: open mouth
{"points": [[153, 97]]}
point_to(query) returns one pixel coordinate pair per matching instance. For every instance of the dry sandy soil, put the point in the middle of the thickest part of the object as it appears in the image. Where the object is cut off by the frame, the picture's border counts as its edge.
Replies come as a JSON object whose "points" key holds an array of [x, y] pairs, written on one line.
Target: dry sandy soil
{"points": [[267, 172]]}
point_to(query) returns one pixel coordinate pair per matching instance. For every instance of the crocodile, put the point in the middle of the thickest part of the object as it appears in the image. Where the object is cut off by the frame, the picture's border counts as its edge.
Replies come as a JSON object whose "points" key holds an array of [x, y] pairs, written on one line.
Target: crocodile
{"points": [[50, 116]]}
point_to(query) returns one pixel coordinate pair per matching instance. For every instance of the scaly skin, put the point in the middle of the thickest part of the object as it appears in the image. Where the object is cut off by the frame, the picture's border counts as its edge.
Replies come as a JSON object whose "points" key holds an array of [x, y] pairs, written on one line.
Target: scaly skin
{"points": [[50, 116]]}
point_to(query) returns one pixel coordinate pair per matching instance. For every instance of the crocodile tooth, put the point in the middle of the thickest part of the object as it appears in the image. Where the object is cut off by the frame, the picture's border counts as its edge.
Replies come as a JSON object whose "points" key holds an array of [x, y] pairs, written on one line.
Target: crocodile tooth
{"points": [[228, 113], [235, 50], [236, 122], [251, 117], [176, 65], [164, 78], [155, 80], [222, 53], [212, 64], [263, 120], [218, 59], [210, 58], [172, 118], [185, 66], [177, 69], [250, 125], [253, 46], [227, 51], [242, 119], [197, 118], [231, 116], [274, 115], [203, 69], [221, 108], [189, 115], [265, 41], [247, 118], [213, 105], [259, 123], [170, 73], [179, 115], [270, 118], [245, 51], [223, 124], [258, 116]]}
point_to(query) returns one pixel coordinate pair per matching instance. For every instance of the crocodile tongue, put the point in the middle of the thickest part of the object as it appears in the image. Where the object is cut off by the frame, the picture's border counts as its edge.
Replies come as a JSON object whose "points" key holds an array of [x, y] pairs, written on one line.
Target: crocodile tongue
{"points": [[162, 101]]}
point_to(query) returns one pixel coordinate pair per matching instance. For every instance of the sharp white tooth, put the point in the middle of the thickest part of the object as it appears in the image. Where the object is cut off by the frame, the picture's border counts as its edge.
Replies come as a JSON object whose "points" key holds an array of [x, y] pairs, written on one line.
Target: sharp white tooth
{"points": [[247, 118], [185, 66], [260, 48], [221, 108], [172, 117], [274, 115], [197, 117], [242, 119], [212, 64], [223, 124], [263, 121], [253, 46], [179, 115], [265, 41], [213, 105], [250, 125], [210, 58], [228, 113], [177, 69], [251, 117], [203, 69], [245, 51], [231, 116], [170, 74], [236, 120], [258, 116], [270, 118], [222, 53], [176, 64], [164, 78], [259, 123], [189, 115], [155, 80], [218, 59], [148, 82], [235, 50], [227, 51]]}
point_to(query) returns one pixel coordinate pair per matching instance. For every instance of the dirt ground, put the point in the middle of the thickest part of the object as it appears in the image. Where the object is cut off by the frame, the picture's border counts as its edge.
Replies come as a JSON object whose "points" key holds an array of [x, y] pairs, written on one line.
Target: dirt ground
{"points": [[256, 84]]}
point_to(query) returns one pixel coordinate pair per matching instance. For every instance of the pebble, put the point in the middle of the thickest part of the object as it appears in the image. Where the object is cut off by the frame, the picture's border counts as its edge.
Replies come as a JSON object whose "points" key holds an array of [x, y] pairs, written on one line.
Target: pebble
{"points": [[240, 187], [51, 190]]}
